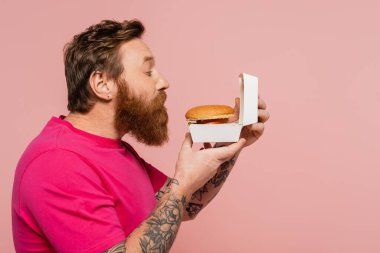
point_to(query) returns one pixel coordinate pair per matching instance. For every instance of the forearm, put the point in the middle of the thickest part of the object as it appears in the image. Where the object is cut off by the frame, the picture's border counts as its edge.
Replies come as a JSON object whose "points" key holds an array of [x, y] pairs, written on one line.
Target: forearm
{"points": [[157, 233], [205, 194]]}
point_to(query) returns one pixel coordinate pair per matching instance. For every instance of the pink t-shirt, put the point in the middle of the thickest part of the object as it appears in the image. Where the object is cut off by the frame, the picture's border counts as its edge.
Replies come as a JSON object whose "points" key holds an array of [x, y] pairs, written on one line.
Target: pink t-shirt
{"points": [[78, 192]]}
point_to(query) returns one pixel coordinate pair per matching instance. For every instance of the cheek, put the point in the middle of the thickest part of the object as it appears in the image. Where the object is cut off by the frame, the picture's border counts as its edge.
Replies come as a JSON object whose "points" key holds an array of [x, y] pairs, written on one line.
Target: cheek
{"points": [[143, 86], [141, 89], [147, 93], [149, 89]]}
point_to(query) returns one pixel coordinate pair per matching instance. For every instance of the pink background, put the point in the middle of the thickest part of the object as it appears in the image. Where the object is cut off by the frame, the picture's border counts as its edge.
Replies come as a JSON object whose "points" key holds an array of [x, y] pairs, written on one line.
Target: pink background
{"points": [[311, 184]]}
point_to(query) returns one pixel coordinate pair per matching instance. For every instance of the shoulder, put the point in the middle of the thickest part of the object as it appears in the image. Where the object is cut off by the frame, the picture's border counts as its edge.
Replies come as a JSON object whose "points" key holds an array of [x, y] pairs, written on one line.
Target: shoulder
{"points": [[55, 174], [57, 167]]}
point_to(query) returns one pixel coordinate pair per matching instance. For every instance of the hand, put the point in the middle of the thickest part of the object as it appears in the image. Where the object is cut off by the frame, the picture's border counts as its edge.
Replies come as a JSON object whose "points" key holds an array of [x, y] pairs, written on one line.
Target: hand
{"points": [[195, 168], [254, 131]]}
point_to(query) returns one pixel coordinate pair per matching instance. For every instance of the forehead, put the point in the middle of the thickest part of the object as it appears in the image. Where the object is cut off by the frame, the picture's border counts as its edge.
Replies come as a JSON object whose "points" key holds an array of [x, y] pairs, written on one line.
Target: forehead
{"points": [[134, 52]]}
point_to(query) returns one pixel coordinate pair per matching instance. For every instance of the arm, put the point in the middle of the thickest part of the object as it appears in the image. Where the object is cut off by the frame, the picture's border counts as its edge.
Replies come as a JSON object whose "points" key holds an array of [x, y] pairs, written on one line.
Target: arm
{"points": [[203, 196], [200, 198], [161, 227], [158, 231], [193, 169]]}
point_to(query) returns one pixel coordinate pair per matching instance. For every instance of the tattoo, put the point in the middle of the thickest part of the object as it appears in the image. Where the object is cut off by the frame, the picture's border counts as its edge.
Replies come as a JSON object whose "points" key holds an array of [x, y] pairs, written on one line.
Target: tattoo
{"points": [[198, 194], [163, 226], [159, 194], [222, 175], [118, 248], [218, 179], [193, 209], [170, 182]]}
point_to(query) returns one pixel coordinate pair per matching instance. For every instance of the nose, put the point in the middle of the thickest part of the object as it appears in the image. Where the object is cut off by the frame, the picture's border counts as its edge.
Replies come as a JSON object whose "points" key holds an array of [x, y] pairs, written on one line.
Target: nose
{"points": [[162, 84]]}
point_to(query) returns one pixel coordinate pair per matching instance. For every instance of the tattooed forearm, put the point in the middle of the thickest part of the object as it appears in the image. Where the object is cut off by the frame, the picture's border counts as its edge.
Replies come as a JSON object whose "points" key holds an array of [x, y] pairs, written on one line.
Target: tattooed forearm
{"points": [[159, 194], [206, 193], [118, 248], [223, 173], [163, 225], [199, 193], [156, 234], [170, 183], [193, 209], [216, 180], [162, 191]]}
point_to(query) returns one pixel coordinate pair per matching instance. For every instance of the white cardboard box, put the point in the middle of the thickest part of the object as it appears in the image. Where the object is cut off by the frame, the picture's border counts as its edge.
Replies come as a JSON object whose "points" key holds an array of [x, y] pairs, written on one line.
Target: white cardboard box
{"points": [[230, 132]]}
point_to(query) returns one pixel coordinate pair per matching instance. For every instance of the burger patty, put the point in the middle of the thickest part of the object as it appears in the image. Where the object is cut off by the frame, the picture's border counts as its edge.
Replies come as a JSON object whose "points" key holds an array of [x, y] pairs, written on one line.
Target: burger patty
{"points": [[213, 121]]}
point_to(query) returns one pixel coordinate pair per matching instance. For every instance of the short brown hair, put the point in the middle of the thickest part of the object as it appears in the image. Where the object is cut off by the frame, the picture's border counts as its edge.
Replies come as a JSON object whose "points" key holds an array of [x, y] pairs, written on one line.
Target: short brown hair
{"points": [[95, 49]]}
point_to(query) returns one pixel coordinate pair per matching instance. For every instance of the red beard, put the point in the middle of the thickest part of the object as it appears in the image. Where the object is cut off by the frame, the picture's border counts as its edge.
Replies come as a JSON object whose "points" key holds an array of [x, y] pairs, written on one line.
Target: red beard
{"points": [[147, 122]]}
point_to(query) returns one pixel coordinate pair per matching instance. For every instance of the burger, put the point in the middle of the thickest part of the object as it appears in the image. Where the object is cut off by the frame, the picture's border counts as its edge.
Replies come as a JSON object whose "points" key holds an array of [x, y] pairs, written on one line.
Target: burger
{"points": [[210, 114]]}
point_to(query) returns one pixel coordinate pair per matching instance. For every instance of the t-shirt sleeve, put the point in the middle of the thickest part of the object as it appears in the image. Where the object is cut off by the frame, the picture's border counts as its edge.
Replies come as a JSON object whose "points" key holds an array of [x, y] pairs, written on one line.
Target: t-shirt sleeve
{"points": [[64, 196], [157, 178]]}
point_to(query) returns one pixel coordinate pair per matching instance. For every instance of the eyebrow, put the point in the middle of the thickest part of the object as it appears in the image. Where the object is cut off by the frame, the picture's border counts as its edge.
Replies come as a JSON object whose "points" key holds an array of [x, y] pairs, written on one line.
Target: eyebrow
{"points": [[149, 58]]}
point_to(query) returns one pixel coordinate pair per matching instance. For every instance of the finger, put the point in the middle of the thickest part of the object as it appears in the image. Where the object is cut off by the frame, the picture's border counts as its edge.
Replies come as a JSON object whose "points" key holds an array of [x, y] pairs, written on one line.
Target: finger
{"points": [[263, 115], [227, 152], [237, 107], [257, 127], [188, 142], [236, 111], [262, 104]]}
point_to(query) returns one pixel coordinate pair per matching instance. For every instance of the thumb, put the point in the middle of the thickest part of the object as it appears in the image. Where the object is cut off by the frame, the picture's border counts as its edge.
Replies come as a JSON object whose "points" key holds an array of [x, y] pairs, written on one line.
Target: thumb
{"points": [[227, 152], [236, 111], [188, 142], [237, 107]]}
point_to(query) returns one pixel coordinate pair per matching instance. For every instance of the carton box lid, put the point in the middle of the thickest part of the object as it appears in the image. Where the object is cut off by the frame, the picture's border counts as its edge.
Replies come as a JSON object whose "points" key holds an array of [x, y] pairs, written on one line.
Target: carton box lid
{"points": [[248, 99]]}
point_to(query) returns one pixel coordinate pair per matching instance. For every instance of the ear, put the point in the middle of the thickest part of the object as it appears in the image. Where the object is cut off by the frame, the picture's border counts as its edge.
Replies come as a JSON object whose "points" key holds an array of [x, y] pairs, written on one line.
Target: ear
{"points": [[101, 86]]}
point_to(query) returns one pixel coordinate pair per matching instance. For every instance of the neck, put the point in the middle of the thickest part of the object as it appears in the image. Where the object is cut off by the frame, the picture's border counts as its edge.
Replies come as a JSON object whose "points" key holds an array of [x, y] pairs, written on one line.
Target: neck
{"points": [[95, 122]]}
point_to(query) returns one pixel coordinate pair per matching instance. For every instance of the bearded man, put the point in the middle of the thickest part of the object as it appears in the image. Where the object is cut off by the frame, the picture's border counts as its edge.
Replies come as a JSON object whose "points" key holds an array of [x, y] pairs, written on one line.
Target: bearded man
{"points": [[79, 187]]}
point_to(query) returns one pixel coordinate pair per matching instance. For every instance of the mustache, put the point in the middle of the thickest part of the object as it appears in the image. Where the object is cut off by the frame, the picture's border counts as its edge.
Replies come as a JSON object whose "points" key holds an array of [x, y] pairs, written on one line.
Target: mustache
{"points": [[162, 96]]}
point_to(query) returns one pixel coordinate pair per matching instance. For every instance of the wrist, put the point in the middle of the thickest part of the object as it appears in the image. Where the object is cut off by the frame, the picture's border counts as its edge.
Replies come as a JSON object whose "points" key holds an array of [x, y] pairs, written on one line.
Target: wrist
{"points": [[179, 189]]}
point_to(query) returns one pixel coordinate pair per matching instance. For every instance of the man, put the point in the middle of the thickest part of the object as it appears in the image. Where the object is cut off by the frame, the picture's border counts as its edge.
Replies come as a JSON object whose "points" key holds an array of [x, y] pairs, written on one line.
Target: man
{"points": [[79, 188]]}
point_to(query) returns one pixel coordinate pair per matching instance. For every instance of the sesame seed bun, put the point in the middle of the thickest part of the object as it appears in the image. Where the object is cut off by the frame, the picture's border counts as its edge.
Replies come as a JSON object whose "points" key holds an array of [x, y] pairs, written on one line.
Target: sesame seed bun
{"points": [[208, 112]]}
